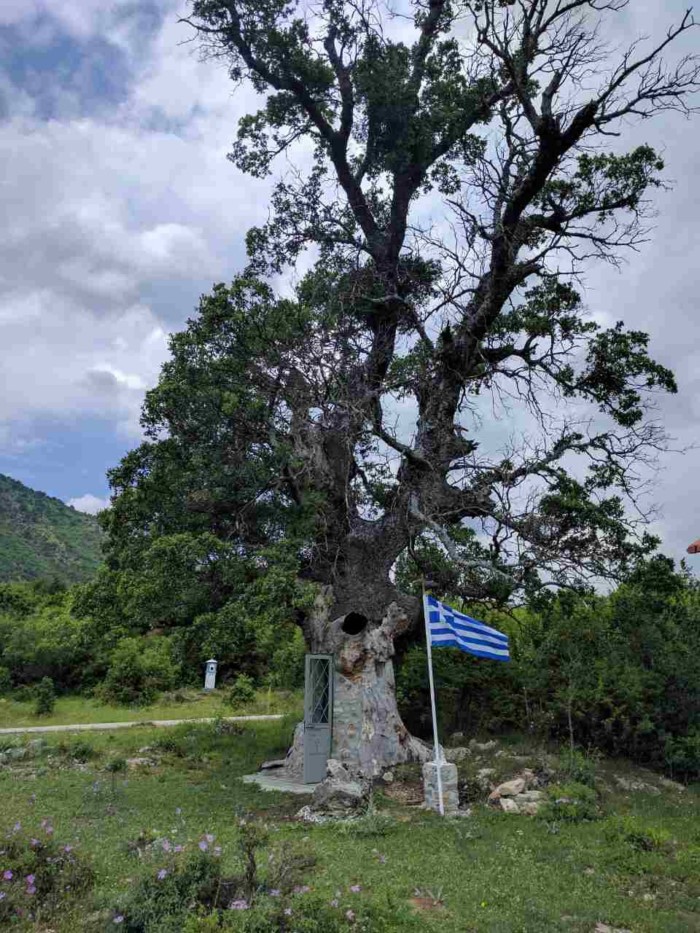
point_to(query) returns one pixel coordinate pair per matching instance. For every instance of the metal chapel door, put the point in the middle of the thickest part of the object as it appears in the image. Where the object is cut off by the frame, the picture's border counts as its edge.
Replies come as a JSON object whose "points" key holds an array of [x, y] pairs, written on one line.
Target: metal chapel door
{"points": [[318, 716]]}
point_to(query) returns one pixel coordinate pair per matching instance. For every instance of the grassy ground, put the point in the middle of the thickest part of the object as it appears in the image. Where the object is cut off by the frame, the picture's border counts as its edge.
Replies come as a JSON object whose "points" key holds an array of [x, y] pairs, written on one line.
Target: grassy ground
{"points": [[490, 872], [182, 704]]}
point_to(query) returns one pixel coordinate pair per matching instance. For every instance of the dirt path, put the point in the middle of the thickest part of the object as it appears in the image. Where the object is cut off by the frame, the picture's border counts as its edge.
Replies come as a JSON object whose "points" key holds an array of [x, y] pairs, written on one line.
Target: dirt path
{"points": [[99, 726]]}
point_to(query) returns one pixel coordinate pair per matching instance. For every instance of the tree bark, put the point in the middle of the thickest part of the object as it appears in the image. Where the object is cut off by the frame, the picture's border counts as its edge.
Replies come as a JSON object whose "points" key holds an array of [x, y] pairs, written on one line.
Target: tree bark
{"points": [[368, 733]]}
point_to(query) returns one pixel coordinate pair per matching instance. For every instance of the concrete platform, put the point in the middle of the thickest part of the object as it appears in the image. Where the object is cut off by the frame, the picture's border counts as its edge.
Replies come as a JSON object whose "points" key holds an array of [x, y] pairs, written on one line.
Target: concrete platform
{"points": [[268, 780]]}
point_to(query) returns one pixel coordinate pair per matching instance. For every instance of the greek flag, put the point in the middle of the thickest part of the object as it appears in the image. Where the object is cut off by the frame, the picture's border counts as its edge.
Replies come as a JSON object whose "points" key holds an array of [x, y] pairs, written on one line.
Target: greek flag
{"points": [[451, 629]]}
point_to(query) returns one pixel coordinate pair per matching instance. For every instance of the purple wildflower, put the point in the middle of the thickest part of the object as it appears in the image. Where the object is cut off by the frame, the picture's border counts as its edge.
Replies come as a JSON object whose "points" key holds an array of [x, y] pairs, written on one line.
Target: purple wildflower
{"points": [[29, 879], [203, 845], [177, 849], [275, 892], [2, 895], [68, 848], [8, 875], [355, 888], [178, 811], [166, 845], [162, 873], [209, 838], [17, 827], [33, 843], [31, 889], [350, 915], [302, 889], [335, 902], [118, 919], [240, 904]]}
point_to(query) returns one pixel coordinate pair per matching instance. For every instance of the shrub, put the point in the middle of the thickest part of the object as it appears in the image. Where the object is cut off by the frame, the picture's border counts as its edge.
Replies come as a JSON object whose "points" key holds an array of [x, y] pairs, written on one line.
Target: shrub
{"points": [[639, 837], [570, 803], [682, 754], [39, 876], [171, 745], [80, 750], [181, 695], [287, 663], [183, 886], [161, 900], [139, 671], [580, 767], [44, 697], [45, 642], [241, 692]]}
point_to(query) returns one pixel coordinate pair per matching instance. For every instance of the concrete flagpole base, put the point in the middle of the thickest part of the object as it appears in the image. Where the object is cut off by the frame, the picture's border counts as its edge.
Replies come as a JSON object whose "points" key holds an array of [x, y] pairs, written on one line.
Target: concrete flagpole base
{"points": [[450, 795]]}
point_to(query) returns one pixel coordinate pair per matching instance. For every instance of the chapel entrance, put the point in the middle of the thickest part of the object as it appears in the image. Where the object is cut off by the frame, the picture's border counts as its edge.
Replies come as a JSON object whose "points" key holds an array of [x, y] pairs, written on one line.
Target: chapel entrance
{"points": [[318, 715]]}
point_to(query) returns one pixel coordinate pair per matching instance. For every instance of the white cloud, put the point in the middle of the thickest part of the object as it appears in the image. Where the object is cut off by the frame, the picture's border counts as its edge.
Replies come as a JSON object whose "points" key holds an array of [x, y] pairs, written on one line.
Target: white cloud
{"points": [[89, 503], [112, 229]]}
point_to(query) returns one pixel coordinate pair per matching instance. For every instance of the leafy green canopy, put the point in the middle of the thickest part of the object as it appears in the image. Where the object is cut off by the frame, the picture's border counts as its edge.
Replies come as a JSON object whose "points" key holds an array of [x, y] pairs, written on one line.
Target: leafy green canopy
{"points": [[457, 189]]}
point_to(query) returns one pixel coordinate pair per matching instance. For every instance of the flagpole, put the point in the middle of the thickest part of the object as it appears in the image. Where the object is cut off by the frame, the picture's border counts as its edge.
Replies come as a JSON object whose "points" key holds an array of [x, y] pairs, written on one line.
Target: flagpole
{"points": [[436, 745]]}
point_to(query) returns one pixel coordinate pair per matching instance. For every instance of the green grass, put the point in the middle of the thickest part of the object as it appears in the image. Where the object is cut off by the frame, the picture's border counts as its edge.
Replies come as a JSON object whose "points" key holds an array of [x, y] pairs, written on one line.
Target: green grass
{"points": [[492, 872], [192, 704]]}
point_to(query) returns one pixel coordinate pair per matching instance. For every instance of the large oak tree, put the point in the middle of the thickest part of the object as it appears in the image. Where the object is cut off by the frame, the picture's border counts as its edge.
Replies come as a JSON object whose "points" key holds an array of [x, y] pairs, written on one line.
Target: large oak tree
{"points": [[457, 167]]}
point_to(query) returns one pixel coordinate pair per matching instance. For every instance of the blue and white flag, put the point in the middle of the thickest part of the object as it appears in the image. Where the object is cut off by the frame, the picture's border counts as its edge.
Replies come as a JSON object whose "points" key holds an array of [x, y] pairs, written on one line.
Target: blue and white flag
{"points": [[451, 629]]}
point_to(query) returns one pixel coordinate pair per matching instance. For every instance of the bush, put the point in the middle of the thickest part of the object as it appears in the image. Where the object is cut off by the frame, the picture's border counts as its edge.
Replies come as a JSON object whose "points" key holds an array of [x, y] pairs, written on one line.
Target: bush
{"points": [[184, 885], [570, 803], [80, 750], [619, 673], [639, 837], [45, 697], [682, 754], [40, 877], [45, 642], [287, 663], [161, 900], [139, 670], [241, 692], [171, 745], [474, 698], [580, 767]]}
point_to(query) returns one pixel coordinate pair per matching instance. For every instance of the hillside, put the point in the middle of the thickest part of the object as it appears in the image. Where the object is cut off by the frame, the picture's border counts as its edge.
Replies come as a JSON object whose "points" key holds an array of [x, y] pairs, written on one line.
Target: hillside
{"points": [[43, 537]]}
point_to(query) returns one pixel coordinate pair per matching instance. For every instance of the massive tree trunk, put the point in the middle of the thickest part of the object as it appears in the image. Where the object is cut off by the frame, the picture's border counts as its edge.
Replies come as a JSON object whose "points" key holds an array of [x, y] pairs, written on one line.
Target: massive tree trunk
{"points": [[368, 732]]}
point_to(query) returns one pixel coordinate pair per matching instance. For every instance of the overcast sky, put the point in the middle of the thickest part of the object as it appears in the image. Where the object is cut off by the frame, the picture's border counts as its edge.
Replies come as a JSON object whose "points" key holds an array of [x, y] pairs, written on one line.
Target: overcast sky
{"points": [[119, 209]]}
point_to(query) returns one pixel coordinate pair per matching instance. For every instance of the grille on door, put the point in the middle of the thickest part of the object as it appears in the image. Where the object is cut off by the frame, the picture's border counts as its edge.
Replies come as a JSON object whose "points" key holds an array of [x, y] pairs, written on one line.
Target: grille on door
{"points": [[320, 690]]}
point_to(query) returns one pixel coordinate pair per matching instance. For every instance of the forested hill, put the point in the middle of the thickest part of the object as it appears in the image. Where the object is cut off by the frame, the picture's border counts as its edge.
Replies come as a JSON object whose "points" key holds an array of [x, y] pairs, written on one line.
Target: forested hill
{"points": [[43, 537]]}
